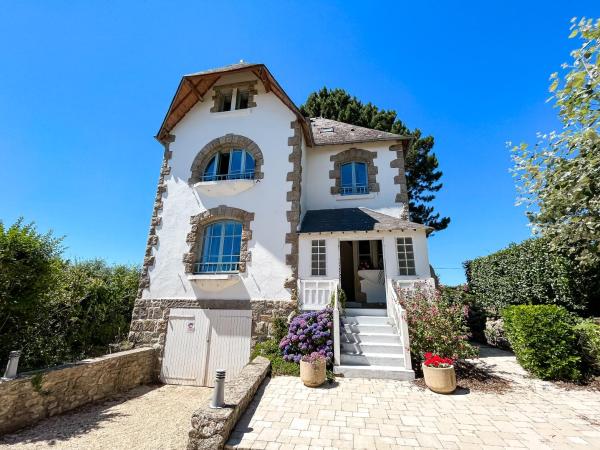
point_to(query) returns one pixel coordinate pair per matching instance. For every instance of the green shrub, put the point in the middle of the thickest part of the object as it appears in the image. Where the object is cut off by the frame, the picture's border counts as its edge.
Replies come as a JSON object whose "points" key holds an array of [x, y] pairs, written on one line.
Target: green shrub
{"points": [[544, 340], [588, 338], [280, 328], [529, 273], [58, 311], [475, 316], [270, 350], [435, 325]]}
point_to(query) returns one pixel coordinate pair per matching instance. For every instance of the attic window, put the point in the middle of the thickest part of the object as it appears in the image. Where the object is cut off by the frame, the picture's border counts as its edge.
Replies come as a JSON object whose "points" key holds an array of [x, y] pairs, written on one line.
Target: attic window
{"points": [[234, 97], [326, 130]]}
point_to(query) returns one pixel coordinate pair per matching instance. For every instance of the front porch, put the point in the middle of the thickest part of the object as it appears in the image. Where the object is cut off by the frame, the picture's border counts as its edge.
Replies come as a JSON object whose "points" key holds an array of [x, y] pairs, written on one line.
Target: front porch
{"points": [[353, 261]]}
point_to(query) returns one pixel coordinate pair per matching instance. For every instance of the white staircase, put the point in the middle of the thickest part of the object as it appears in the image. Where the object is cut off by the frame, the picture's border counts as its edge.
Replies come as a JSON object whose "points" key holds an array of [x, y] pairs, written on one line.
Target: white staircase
{"points": [[371, 347]]}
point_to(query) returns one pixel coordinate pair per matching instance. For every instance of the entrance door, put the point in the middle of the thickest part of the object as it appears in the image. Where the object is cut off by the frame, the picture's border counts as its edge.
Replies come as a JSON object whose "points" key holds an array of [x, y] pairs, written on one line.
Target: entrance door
{"points": [[199, 341], [362, 275]]}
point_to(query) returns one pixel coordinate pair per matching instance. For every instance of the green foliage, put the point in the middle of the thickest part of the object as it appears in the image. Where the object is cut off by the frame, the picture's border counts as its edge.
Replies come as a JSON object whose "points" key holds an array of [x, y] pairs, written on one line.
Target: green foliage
{"points": [[529, 273], [270, 350], [280, 328], [341, 300], [422, 173], [435, 325], [544, 340], [588, 338], [559, 177], [71, 311]]}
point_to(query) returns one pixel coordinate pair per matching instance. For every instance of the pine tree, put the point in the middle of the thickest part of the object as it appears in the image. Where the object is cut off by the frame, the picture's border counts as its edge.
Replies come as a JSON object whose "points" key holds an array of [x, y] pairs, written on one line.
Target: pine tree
{"points": [[422, 173]]}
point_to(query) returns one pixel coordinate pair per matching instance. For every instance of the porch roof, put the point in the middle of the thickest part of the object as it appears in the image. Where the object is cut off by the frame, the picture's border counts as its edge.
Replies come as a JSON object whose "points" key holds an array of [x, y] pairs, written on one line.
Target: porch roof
{"points": [[354, 219]]}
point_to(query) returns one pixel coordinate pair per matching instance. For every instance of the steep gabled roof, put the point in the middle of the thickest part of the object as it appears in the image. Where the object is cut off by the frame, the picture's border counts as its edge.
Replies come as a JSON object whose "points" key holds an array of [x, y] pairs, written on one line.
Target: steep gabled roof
{"points": [[193, 88], [332, 132], [354, 219]]}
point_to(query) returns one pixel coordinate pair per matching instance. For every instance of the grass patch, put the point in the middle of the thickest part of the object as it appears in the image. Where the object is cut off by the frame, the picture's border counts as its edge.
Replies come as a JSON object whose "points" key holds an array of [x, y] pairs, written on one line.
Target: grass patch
{"points": [[270, 350]]}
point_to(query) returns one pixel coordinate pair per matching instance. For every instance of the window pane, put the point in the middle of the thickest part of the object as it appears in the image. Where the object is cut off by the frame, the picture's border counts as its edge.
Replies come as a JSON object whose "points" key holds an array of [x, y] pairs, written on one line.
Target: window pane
{"points": [[235, 165], [360, 170], [209, 172], [346, 174], [221, 247], [226, 101], [406, 257], [242, 99], [249, 168]]}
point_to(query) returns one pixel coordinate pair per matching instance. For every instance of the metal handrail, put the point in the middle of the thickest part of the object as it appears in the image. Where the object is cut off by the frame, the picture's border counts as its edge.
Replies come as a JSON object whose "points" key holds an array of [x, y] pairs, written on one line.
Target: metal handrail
{"points": [[218, 267], [229, 176], [352, 190]]}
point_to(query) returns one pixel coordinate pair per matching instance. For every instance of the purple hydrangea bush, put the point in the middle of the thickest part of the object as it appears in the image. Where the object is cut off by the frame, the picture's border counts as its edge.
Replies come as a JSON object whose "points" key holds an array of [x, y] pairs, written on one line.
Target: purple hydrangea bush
{"points": [[309, 333]]}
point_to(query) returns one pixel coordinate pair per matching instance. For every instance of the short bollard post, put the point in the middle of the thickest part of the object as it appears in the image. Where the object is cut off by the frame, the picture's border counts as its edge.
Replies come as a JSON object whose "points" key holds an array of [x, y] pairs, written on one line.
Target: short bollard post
{"points": [[13, 364], [218, 399]]}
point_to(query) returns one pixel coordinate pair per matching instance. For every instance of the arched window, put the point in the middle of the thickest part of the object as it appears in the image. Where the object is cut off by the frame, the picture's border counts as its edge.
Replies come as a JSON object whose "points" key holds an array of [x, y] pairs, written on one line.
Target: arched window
{"points": [[354, 178], [220, 251], [234, 164]]}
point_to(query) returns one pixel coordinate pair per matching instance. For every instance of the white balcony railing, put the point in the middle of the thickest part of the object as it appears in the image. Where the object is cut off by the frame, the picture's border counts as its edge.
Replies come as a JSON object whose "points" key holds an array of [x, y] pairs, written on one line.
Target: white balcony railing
{"points": [[316, 294], [398, 316]]}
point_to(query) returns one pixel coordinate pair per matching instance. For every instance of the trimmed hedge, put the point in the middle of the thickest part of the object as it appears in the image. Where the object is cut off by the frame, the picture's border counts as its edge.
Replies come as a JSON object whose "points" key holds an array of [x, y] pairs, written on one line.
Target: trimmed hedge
{"points": [[528, 273], [544, 340], [588, 335]]}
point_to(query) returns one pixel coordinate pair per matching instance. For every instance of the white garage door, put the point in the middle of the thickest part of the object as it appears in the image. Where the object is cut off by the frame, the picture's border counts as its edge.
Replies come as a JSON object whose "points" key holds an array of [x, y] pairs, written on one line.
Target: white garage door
{"points": [[200, 341]]}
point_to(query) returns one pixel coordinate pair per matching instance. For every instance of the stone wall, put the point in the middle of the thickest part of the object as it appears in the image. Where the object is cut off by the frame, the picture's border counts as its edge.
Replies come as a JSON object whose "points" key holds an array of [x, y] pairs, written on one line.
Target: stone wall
{"points": [[150, 317], [211, 427], [34, 396]]}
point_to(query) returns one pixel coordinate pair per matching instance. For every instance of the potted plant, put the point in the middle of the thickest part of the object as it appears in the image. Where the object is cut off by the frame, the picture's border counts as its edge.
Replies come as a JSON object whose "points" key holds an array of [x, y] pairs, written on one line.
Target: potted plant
{"points": [[439, 373], [312, 369]]}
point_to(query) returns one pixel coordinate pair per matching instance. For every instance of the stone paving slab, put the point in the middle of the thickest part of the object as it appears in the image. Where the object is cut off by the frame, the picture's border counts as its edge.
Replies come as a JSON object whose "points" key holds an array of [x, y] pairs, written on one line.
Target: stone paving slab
{"points": [[389, 414]]}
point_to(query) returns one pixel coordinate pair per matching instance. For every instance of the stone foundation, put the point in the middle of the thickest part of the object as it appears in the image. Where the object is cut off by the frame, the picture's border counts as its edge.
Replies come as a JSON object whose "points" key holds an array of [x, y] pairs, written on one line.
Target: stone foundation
{"points": [[150, 317], [34, 396]]}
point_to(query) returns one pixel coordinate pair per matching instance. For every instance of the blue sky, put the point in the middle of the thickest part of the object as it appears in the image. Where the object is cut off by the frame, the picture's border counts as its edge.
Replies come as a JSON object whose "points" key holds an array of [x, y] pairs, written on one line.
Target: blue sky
{"points": [[84, 87]]}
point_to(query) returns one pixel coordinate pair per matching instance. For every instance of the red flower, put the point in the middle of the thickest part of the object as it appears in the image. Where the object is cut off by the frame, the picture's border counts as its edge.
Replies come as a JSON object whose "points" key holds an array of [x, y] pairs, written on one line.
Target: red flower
{"points": [[432, 360]]}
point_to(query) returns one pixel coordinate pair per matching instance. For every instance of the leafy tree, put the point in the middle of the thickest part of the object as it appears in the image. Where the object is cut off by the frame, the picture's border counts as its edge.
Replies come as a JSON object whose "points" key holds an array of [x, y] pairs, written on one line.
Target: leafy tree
{"points": [[54, 310], [422, 173], [559, 177]]}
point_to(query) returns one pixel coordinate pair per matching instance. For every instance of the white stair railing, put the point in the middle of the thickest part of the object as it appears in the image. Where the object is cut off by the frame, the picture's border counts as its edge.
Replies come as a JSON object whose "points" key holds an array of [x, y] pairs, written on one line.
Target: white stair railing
{"points": [[336, 329], [398, 315]]}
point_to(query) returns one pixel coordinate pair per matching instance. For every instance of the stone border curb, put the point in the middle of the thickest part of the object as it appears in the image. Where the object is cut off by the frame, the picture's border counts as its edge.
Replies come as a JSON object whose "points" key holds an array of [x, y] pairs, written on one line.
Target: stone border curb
{"points": [[211, 427]]}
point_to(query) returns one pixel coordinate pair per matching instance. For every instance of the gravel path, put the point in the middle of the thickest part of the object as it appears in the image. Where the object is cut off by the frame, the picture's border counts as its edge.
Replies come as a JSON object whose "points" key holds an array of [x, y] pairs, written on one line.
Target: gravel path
{"points": [[147, 417]]}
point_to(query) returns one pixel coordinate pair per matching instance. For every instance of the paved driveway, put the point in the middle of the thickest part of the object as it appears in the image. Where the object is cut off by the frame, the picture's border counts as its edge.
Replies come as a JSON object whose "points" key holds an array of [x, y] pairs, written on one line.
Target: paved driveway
{"points": [[147, 417], [384, 414]]}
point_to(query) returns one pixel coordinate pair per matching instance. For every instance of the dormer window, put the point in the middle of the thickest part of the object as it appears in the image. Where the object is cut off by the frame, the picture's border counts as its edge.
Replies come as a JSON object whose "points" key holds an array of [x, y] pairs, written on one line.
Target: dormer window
{"points": [[354, 178], [235, 164], [234, 97]]}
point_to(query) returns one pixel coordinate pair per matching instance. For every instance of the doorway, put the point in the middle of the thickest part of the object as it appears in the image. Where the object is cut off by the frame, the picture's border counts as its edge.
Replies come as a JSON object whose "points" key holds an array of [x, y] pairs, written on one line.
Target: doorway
{"points": [[362, 275]]}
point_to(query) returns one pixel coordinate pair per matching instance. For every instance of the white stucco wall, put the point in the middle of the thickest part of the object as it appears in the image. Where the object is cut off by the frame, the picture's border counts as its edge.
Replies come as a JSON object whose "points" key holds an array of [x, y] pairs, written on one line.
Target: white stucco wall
{"points": [[390, 255], [268, 125], [318, 183]]}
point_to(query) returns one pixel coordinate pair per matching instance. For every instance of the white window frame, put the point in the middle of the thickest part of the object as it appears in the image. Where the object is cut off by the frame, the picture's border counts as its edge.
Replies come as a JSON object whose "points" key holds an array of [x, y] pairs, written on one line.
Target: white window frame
{"points": [[321, 246], [407, 267]]}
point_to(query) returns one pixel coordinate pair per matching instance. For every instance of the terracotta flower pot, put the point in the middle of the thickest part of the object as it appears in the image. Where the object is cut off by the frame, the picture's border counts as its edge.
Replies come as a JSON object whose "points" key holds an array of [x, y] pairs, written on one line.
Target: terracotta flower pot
{"points": [[440, 379], [312, 374]]}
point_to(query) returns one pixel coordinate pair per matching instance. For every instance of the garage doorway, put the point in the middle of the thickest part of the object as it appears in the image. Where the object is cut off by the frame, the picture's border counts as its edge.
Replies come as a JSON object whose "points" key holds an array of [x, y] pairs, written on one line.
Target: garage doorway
{"points": [[200, 341]]}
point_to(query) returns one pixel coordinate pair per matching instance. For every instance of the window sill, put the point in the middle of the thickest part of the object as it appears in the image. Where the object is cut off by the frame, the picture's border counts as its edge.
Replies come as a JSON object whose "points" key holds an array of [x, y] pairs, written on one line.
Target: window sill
{"points": [[222, 188], [233, 113], [339, 197], [214, 281]]}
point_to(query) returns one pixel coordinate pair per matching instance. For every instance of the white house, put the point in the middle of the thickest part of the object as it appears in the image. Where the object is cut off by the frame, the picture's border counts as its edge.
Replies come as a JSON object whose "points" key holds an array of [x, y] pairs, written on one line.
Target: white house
{"points": [[260, 211]]}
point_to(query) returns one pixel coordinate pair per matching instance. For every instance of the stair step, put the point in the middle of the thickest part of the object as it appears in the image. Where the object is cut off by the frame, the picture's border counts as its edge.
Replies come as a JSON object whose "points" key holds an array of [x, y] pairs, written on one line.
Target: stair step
{"points": [[371, 359], [378, 372], [370, 338], [369, 328], [382, 348], [365, 312], [366, 320]]}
